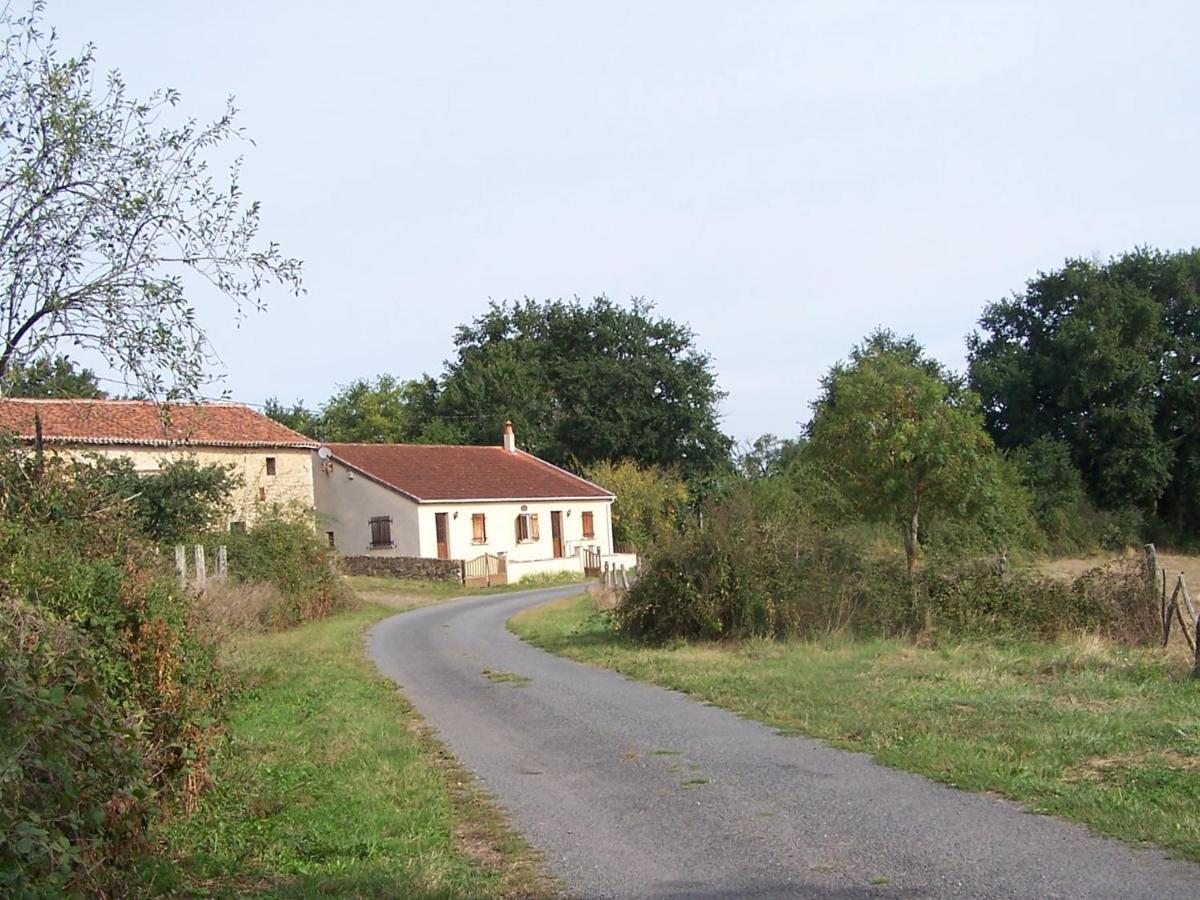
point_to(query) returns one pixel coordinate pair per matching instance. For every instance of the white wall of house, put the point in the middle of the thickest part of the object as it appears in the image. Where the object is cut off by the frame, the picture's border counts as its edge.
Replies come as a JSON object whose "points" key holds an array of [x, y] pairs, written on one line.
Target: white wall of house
{"points": [[346, 501], [500, 518]]}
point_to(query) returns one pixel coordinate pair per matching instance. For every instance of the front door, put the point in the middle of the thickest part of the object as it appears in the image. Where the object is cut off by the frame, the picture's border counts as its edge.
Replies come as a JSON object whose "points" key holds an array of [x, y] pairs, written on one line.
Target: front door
{"points": [[443, 534], [556, 532]]}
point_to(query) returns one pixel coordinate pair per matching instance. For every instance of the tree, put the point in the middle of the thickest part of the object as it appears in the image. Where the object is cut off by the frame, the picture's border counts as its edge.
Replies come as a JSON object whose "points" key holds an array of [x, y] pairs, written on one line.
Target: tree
{"points": [[584, 382], [1104, 358], [650, 500], [900, 437], [386, 410], [53, 377], [178, 503], [109, 218]]}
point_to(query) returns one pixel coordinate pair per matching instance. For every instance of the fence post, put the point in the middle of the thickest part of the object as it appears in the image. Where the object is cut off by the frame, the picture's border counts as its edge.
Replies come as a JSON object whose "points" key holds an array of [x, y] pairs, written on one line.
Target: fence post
{"points": [[181, 565], [201, 569], [1152, 563], [624, 579], [222, 562]]}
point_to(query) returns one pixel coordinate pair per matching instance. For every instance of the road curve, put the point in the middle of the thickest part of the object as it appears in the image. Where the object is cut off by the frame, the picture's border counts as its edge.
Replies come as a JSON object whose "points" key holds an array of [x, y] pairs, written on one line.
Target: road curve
{"points": [[633, 791]]}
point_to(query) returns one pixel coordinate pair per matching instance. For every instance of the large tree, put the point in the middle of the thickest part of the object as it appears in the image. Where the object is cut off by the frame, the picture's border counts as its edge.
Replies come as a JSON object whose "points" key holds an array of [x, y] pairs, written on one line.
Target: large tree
{"points": [[900, 438], [1104, 358], [584, 382], [110, 218]]}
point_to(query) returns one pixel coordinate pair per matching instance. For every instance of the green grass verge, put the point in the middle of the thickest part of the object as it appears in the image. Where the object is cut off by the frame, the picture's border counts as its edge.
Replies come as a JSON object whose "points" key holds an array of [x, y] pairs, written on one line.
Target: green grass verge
{"points": [[1081, 729], [329, 785]]}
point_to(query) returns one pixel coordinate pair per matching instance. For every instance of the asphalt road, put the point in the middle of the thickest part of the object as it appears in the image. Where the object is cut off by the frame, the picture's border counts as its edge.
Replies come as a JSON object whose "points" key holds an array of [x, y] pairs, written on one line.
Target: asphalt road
{"points": [[634, 791]]}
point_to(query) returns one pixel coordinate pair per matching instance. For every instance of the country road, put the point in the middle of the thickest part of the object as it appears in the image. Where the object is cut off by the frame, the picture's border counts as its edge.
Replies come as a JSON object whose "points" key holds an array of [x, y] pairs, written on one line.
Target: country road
{"points": [[633, 791]]}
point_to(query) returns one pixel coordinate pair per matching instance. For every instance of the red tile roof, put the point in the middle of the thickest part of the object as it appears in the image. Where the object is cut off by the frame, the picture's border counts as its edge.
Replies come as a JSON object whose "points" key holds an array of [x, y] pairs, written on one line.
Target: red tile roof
{"points": [[138, 422], [427, 472]]}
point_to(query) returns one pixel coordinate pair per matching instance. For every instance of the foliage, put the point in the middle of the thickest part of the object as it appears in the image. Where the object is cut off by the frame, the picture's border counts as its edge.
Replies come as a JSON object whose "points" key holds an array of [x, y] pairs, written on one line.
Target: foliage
{"points": [[386, 410], [650, 500], [109, 215], [73, 787], [103, 630], [902, 440], [51, 377], [1105, 359], [761, 568], [587, 382], [176, 504], [283, 549]]}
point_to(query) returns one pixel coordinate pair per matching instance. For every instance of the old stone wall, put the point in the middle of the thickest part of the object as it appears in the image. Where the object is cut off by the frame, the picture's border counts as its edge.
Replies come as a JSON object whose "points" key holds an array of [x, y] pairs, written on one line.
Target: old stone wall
{"points": [[404, 567]]}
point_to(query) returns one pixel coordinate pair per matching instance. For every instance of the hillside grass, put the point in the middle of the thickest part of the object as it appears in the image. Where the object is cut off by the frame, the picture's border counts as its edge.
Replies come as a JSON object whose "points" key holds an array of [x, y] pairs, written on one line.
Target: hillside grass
{"points": [[328, 784], [1081, 729]]}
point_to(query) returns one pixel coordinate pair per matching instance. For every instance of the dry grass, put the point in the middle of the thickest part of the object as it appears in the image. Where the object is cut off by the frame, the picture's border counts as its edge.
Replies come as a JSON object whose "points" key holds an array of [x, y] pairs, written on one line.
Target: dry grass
{"points": [[230, 606]]}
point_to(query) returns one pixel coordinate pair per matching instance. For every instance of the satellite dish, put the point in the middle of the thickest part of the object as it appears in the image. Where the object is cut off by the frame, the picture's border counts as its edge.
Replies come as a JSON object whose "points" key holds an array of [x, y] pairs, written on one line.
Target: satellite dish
{"points": [[324, 453]]}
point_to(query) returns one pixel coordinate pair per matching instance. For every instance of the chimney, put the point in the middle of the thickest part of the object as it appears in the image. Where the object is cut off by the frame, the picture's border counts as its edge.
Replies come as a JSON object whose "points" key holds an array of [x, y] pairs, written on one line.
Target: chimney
{"points": [[510, 439]]}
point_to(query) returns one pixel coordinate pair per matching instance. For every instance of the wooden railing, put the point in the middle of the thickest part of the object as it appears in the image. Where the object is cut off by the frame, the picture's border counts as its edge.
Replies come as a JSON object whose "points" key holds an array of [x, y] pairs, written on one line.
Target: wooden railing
{"points": [[485, 571]]}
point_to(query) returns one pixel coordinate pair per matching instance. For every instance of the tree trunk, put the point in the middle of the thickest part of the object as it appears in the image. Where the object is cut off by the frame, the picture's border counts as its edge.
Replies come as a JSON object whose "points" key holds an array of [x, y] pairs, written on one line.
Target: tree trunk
{"points": [[911, 538]]}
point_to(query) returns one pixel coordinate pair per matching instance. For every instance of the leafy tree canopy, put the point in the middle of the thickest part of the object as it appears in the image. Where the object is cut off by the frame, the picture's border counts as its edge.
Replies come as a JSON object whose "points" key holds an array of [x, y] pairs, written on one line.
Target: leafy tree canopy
{"points": [[180, 502], [52, 377], [901, 438], [1105, 359], [107, 215], [651, 500], [584, 382], [386, 410]]}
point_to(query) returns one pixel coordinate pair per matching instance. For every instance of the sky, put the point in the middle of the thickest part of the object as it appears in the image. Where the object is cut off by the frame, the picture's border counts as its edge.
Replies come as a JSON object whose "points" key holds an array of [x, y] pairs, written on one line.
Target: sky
{"points": [[781, 176]]}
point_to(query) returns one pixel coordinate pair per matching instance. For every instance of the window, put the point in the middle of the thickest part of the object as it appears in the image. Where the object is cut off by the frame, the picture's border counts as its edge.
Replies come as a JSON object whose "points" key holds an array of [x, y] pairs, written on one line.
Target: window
{"points": [[381, 531], [270, 465], [262, 493], [589, 525], [527, 528], [237, 527], [329, 534], [478, 528]]}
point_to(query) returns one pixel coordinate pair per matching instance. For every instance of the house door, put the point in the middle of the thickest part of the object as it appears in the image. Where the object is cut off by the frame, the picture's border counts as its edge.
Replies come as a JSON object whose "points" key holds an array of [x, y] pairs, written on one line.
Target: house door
{"points": [[442, 520], [556, 532]]}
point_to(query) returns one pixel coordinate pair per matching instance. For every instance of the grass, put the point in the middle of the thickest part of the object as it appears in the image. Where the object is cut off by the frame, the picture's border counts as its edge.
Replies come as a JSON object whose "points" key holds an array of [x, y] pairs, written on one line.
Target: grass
{"points": [[1081, 729], [328, 784]]}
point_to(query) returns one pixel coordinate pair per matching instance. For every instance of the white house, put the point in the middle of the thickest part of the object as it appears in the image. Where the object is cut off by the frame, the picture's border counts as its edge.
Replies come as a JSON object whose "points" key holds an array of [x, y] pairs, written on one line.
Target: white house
{"points": [[460, 503]]}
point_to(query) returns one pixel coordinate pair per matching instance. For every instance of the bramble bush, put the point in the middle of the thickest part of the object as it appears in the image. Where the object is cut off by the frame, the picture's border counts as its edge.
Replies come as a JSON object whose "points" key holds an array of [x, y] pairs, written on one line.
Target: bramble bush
{"points": [[101, 649]]}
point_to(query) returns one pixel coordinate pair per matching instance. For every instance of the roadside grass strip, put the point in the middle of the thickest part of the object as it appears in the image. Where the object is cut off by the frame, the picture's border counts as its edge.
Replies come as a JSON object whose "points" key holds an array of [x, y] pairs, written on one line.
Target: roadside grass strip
{"points": [[328, 784], [1082, 729]]}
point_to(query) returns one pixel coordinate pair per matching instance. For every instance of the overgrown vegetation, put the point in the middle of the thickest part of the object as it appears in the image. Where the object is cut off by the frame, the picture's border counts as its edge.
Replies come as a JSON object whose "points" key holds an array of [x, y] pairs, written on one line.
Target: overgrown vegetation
{"points": [[1080, 727], [110, 695], [282, 549]]}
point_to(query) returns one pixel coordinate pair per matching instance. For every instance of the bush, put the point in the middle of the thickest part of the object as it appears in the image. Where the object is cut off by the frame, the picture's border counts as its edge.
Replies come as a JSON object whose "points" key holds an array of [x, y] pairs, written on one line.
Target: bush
{"points": [[283, 549], [74, 787], [758, 570], [88, 582]]}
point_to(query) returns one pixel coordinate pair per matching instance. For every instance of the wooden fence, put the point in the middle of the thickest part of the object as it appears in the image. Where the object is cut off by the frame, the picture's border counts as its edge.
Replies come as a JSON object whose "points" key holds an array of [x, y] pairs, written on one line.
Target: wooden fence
{"points": [[1172, 610]]}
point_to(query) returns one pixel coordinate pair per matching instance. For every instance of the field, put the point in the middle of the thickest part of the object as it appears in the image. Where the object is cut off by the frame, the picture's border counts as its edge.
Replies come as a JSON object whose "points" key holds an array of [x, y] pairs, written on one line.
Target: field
{"points": [[1082, 729], [328, 784]]}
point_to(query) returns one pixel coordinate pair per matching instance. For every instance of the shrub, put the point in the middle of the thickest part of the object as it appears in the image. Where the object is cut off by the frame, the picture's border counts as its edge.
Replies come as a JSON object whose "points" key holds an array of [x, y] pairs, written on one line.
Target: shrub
{"points": [[283, 549], [90, 582], [756, 569]]}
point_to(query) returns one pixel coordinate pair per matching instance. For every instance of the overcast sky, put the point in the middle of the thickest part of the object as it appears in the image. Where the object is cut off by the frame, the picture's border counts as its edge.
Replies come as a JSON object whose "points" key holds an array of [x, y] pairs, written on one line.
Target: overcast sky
{"points": [[783, 176]]}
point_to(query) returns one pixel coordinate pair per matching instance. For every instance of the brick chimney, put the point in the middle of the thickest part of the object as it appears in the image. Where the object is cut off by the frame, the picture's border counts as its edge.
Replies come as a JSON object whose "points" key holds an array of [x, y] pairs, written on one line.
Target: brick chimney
{"points": [[510, 439]]}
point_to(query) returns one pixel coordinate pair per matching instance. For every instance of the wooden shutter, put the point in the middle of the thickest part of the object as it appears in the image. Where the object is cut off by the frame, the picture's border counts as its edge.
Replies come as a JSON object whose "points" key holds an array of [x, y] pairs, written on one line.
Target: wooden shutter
{"points": [[478, 528], [533, 528], [589, 525], [520, 528]]}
